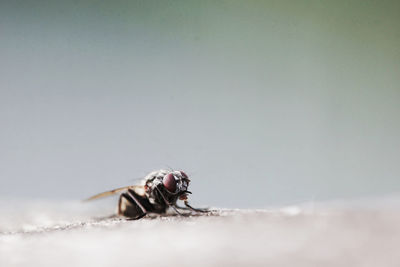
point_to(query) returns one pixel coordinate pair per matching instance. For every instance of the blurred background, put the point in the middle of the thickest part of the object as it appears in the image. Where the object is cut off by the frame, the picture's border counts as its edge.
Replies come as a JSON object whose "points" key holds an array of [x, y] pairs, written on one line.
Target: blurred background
{"points": [[261, 102]]}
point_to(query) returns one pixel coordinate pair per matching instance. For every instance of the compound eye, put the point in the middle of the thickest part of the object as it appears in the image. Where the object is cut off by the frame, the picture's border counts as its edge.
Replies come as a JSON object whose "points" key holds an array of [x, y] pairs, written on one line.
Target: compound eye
{"points": [[184, 175], [169, 182]]}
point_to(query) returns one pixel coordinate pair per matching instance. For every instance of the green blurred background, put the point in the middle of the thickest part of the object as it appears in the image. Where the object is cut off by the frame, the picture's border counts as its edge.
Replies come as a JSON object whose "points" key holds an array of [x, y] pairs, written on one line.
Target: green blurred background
{"points": [[261, 102]]}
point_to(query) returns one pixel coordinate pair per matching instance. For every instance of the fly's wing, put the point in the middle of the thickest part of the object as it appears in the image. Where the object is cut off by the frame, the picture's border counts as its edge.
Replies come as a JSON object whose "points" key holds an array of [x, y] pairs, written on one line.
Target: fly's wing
{"points": [[137, 188]]}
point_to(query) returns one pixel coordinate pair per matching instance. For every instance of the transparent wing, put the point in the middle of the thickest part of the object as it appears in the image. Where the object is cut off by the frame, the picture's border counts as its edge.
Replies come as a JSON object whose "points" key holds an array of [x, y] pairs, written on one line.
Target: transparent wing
{"points": [[116, 191]]}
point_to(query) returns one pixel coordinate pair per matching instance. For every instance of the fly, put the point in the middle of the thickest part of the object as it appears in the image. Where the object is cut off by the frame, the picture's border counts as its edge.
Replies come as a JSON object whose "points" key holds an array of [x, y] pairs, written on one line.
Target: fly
{"points": [[158, 191]]}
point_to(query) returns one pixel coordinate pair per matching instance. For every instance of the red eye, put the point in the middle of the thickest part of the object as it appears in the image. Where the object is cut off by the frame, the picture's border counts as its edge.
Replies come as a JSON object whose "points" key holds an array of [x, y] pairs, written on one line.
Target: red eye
{"points": [[184, 175], [169, 182]]}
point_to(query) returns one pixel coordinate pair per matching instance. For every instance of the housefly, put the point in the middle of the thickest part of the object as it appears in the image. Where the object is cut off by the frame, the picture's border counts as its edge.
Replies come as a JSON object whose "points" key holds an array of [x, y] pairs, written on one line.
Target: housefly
{"points": [[158, 191]]}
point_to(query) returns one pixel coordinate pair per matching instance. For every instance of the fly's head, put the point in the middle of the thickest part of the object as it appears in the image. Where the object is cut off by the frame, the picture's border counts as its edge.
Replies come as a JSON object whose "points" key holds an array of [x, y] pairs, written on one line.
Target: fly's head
{"points": [[176, 184]]}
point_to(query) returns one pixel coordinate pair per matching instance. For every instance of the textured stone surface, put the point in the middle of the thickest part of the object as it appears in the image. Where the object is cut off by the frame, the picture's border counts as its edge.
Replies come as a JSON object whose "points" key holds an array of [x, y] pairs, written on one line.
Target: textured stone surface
{"points": [[292, 236]]}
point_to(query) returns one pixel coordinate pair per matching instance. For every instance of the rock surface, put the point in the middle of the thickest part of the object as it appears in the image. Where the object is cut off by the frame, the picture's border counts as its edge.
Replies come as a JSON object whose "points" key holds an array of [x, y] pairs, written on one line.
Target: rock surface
{"points": [[292, 236]]}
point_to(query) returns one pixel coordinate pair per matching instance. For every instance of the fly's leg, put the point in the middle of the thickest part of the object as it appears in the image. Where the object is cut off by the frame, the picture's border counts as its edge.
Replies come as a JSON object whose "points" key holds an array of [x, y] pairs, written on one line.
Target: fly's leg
{"points": [[194, 209], [191, 209], [170, 205], [181, 208], [130, 206], [175, 208]]}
